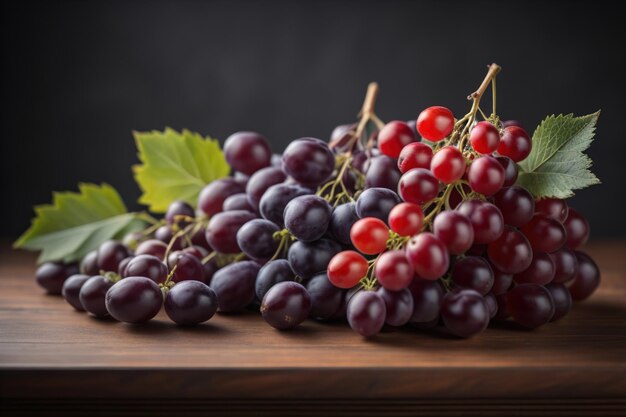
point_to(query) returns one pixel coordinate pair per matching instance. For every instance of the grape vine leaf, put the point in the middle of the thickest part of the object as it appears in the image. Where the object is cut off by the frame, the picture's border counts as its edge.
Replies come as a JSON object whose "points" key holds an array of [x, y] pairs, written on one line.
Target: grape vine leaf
{"points": [[176, 166], [557, 164], [77, 223]]}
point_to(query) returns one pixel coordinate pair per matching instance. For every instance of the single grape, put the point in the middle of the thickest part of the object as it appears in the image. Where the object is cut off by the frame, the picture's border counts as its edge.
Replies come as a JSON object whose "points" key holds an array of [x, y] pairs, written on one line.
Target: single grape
{"points": [[587, 278], [209, 269], [307, 217], [221, 233], [92, 294], [308, 160], [110, 254], [369, 235], [188, 267], [346, 269], [540, 271], [418, 186], [484, 137], [510, 170], [530, 305], [464, 312], [501, 281], [190, 302], [123, 264], [51, 275], [366, 313], [134, 300], [544, 233], [394, 271], [565, 265], [406, 219], [429, 255], [273, 203], [435, 123], [552, 207], [71, 290], [89, 264], [256, 239], [448, 164], [165, 234], [198, 238], [561, 298], [486, 175], [152, 247], [376, 202], [311, 258], [179, 208], [146, 266], [211, 198], [492, 304], [511, 252], [515, 143], [238, 202], [455, 230], [382, 172], [393, 137], [261, 181], [341, 221], [516, 205], [341, 131], [427, 300], [198, 251], [415, 155], [398, 306], [286, 305], [473, 272], [577, 228], [247, 152], [234, 286], [486, 219], [271, 274], [326, 299]]}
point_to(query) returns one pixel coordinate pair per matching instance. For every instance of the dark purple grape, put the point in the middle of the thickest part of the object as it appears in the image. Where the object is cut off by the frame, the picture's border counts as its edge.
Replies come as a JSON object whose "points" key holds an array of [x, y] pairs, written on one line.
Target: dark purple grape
{"points": [[398, 306], [427, 300], [464, 312], [516, 205], [211, 198], [71, 290], [209, 269], [256, 239], [565, 264], [179, 208], [286, 305], [198, 238], [271, 274], [540, 271], [261, 181], [530, 305], [234, 286], [123, 264], [382, 172], [221, 233], [238, 202], [110, 254], [552, 207], [341, 131], [473, 272], [562, 300], [510, 170], [503, 312], [92, 295], [190, 302], [377, 202], [51, 275], [587, 278], [147, 266], [134, 300], [486, 220], [276, 198], [341, 221], [326, 299], [501, 281], [312, 258], [198, 251], [89, 264], [544, 233], [366, 313], [577, 228], [308, 160], [511, 252], [152, 247], [307, 217], [165, 235], [455, 230], [247, 152], [188, 268], [492, 304]]}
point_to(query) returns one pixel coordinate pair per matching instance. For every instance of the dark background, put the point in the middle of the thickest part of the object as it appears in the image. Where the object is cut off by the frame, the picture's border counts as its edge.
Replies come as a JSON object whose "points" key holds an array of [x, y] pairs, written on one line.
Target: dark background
{"points": [[77, 77]]}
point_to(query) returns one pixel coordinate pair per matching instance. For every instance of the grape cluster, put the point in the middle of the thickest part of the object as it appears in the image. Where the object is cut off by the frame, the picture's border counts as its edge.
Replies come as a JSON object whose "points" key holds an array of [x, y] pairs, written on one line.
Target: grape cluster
{"points": [[377, 229]]}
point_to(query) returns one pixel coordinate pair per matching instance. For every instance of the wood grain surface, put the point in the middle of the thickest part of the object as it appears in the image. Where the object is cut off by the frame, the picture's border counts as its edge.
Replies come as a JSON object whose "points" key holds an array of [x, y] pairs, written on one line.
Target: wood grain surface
{"points": [[56, 361]]}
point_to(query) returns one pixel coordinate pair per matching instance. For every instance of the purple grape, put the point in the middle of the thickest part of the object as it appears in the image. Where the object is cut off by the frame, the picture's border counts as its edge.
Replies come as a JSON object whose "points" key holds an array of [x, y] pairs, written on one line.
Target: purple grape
{"points": [[341, 221], [273, 203], [256, 239], [190, 303], [501, 281], [382, 172], [211, 198], [110, 254], [377, 202], [271, 274], [179, 208], [307, 217], [209, 269], [565, 265], [540, 271], [188, 268], [309, 259], [326, 299], [561, 298], [427, 300], [473, 272], [531, 305], [492, 304], [134, 300], [238, 202], [165, 235], [366, 313], [464, 312], [89, 264], [261, 181], [221, 233], [587, 278], [247, 152], [398, 306], [516, 205], [308, 160], [147, 266], [92, 295], [51, 275], [286, 305], [71, 290], [152, 247], [123, 264], [234, 286]]}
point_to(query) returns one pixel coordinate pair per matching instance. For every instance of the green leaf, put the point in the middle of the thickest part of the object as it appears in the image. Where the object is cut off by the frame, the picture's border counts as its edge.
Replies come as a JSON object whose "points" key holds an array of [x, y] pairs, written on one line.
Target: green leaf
{"points": [[557, 164], [77, 223], [176, 166]]}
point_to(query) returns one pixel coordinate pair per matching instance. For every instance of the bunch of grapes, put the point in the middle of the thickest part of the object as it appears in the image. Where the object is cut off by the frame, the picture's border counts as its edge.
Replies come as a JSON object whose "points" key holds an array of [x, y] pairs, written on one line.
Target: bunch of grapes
{"points": [[376, 227]]}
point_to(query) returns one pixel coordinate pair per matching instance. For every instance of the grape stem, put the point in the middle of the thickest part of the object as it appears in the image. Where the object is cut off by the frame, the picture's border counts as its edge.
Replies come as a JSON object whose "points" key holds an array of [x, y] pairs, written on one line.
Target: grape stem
{"points": [[441, 201]]}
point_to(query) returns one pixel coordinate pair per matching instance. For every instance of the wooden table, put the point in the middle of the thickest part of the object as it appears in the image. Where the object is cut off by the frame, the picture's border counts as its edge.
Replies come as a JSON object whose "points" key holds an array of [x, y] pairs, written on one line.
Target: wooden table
{"points": [[56, 361]]}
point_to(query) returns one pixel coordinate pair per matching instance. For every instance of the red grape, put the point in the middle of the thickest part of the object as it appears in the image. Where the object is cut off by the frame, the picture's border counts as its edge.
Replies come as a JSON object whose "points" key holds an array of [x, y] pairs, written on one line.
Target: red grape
{"points": [[484, 137], [369, 235], [346, 269], [415, 155], [455, 231], [435, 123], [393, 137], [511, 252], [429, 255], [406, 219], [515, 143], [486, 175], [394, 271], [418, 186], [448, 164]]}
